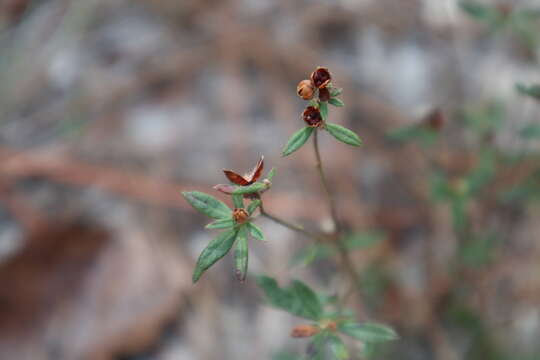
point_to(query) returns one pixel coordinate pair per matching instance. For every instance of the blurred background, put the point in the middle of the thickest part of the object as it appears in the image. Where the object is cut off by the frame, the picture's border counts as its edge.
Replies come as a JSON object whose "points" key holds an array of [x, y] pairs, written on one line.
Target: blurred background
{"points": [[110, 108]]}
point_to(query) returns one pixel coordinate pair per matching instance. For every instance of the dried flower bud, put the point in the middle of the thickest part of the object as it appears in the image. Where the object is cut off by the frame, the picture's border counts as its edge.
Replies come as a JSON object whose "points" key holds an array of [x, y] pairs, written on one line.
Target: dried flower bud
{"points": [[324, 94], [240, 216], [305, 89], [435, 120], [312, 116], [303, 331], [321, 77]]}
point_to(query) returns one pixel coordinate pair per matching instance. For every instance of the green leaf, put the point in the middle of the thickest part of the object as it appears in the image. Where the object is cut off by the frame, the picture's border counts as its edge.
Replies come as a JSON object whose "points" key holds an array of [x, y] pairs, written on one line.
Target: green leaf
{"points": [[217, 249], [256, 231], [487, 14], [479, 250], [368, 332], [337, 347], [315, 350], [250, 189], [440, 187], [298, 299], [486, 119], [363, 239], [238, 201], [311, 253], [323, 108], [336, 102], [253, 205], [271, 174], [221, 224], [335, 91], [241, 253], [458, 208], [314, 103], [531, 131], [422, 134], [343, 134], [298, 139], [207, 204], [532, 90]]}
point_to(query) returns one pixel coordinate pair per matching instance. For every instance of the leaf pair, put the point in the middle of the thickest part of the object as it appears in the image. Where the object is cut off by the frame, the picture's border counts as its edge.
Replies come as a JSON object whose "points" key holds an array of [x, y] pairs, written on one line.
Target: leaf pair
{"points": [[299, 138]]}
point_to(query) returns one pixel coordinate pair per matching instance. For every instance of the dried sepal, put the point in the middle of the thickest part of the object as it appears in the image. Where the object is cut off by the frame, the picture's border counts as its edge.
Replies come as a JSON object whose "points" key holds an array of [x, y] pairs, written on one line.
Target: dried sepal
{"points": [[304, 331], [248, 178]]}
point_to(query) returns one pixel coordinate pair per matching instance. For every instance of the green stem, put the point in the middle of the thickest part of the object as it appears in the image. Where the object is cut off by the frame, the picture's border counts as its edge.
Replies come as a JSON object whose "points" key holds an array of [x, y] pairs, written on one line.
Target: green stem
{"points": [[295, 227], [326, 186], [345, 259]]}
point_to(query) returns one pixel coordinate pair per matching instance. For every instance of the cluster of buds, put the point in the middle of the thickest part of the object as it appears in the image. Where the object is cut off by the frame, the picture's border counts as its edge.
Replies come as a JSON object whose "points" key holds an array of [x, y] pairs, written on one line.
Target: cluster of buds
{"points": [[318, 89]]}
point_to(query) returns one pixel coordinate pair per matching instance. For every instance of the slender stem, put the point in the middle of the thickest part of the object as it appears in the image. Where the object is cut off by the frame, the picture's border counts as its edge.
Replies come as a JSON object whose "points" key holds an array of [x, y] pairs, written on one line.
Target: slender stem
{"points": [[326, 186], [294, 227], [345, 259]]}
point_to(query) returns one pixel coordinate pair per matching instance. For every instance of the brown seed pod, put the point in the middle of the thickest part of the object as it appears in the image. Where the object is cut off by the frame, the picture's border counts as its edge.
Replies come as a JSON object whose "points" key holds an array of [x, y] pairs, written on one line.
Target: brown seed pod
{"points": [[240, 216], [303, 331], [305, 89], [312, 116], [324, 94], [321, 77]]}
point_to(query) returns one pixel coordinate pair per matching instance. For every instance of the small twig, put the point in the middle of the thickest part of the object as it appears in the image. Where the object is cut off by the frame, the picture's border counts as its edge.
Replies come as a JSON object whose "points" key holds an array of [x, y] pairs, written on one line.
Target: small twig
{"points": [[295, 227], [329, 196], [345, 260]]}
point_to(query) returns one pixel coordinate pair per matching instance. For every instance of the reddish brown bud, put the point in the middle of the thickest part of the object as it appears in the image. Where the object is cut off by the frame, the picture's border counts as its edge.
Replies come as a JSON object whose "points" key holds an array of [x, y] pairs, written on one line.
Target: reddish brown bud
{"points": [[324, 94], [312, 116], [435, 120], [305, 89], [303, 331], [321, 77], [240, 216]]}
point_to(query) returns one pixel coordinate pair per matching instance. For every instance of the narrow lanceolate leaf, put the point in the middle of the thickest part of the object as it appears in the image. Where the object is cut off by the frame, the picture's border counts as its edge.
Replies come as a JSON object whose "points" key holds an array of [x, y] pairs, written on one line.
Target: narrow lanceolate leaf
{"points": [[298, 139], [250, 189], [531, 131], [207, 204], [343, 134], [323, 108], [253, 206], [238, 201], [337, 347], [241, 254], [335, 91], [532, 90], [298, 299], [217, 249], [336, 102], [368, 332], [221, 224], [271, 174], [255, 231]]}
